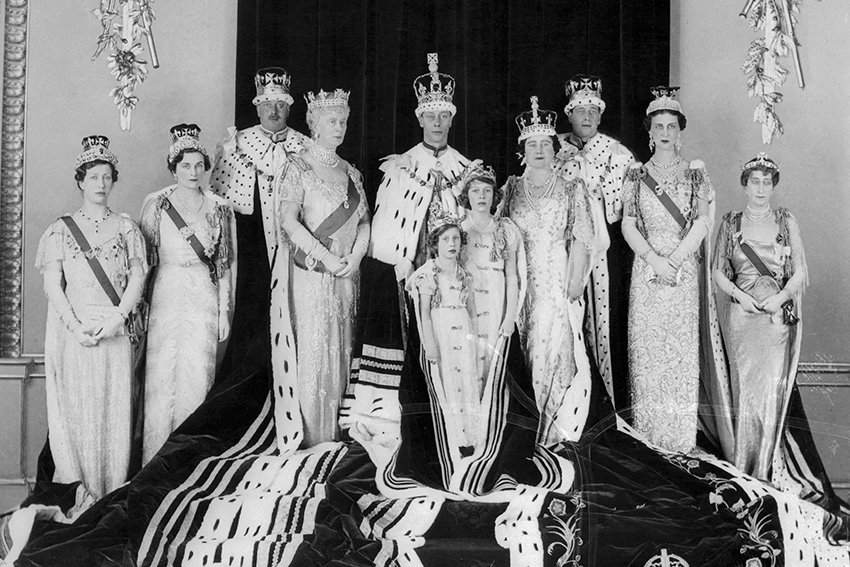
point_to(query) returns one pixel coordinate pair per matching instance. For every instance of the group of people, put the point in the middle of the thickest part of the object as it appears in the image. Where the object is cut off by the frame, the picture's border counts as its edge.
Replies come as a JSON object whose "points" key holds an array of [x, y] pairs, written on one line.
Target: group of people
{"points": [[457, 282]]}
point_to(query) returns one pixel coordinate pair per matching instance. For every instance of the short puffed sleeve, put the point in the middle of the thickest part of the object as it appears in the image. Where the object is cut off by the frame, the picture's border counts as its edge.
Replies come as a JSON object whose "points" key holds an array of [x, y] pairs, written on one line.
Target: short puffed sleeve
{"points": [[51, 247], [424, 280], [699, 181], [136, 249], [292, 183]]}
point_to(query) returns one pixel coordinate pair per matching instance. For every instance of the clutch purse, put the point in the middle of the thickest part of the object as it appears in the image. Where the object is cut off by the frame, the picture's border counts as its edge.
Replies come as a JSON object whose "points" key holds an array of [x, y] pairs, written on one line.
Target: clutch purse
{"points": [[764, 287]]}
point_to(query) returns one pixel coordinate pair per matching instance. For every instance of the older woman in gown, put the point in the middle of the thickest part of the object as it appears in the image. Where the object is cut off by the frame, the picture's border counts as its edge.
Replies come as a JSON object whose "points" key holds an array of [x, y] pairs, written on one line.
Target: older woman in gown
{"points": [[556, 222], [760, 266], [325, 233], [88, 357]]}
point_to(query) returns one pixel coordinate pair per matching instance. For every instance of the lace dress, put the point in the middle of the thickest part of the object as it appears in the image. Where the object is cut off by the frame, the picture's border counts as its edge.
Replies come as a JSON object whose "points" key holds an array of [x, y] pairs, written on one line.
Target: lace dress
{"points": [[664, 321], [89, 389], [183, 329], [323, 307], [547, 332]]}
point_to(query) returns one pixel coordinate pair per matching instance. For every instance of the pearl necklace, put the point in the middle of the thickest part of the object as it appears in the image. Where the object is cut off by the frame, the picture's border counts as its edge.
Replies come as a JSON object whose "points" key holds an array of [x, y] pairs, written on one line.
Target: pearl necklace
{"points": [[757, 217], [96, 222], [324, 156], [665, 166], [528, 186]]}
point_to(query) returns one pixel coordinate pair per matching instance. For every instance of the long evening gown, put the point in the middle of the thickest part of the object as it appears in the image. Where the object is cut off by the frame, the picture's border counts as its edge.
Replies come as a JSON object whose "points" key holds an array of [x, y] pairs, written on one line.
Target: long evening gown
{"points": [[664, 361], [549, 323], [183, 327], [323, 308], [89, 389]]}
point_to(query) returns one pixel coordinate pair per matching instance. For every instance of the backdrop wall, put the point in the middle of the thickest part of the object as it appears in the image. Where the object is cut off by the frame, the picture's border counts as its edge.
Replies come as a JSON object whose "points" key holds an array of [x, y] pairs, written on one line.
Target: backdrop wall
{"points": [[67, 99]]}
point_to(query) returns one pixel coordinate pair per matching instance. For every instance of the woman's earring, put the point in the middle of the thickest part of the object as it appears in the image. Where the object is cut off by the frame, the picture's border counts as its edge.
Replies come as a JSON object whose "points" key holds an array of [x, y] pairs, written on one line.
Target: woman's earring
{"points": [[651, 144], [679, 144]]}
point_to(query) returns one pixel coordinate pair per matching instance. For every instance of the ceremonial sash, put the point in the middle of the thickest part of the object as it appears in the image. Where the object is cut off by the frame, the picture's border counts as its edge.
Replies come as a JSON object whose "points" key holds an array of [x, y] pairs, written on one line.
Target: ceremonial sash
{"points": [[666, 200], [330, 225], [789, 317], [136, 323], [190, 237]]}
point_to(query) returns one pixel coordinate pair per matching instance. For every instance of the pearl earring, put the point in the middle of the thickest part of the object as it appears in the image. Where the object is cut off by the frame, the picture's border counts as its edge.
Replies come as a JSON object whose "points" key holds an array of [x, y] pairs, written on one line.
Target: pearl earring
{"points": [[651, 144], [679, 144]]}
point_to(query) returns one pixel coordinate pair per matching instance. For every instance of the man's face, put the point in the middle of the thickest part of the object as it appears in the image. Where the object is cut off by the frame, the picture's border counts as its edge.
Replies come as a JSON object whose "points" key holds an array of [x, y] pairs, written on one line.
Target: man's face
{"points": [[435, 127], [585, 121], [273, 114]]}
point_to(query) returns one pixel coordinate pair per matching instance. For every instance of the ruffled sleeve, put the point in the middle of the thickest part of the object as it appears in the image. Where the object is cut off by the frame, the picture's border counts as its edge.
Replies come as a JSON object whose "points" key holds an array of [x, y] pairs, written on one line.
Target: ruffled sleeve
{"points": [[699, 181], [424, 280], [292, 183], [630, 189], [136, 249], [51, 247]]}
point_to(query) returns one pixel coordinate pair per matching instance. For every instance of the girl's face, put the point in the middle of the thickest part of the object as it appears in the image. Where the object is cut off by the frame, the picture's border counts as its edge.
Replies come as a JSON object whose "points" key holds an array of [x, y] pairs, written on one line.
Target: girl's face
{"points": [[759, 189], [448, 245], [480, 195]]}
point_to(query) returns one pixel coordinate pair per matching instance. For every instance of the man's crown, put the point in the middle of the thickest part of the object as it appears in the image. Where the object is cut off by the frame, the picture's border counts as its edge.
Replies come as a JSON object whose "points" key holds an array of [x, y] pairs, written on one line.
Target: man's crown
{"points": [[434, 90], [272, 84], [324, 99], [584, 90], [536, 122]]}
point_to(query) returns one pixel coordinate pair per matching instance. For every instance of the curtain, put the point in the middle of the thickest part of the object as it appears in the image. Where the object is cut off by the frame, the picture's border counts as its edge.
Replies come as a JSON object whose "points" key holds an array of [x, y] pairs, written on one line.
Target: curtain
{"points": [[500, 53]]}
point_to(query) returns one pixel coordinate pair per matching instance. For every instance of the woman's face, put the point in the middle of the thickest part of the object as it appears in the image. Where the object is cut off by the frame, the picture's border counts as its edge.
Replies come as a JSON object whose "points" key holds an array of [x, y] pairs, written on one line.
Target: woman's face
{"points": [[331, 127], [759, 189], [97, 184], [448, 245], [190, 170], [539, 151], [480, 195], [664, 131]]}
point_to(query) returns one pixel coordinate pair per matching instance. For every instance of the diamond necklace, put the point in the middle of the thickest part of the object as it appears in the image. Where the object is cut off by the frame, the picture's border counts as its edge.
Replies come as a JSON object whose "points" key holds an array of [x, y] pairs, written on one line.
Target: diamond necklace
{"points": [[324, 156], [665, 166]]}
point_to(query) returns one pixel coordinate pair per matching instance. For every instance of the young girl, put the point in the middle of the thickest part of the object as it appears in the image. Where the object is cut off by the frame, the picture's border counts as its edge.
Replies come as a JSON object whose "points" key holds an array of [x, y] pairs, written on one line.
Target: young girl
{"points": [[443, 285], [492, 255]]}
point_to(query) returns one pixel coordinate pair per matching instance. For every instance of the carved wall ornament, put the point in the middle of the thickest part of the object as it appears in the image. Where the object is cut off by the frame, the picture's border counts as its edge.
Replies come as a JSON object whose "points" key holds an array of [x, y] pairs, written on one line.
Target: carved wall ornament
{"points": [[124, 39], [12, 177], [776, 19]]}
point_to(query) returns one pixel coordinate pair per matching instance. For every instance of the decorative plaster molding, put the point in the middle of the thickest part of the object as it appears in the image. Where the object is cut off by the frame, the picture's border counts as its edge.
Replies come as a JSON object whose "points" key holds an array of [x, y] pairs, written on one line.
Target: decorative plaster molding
{"points": [[12, 177]]}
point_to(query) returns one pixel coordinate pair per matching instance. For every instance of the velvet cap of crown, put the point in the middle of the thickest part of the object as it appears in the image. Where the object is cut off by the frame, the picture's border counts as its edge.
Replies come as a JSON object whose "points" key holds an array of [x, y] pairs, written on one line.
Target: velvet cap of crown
{"points": [[536, 122], [665, 99], [434, 90], [328, 99], [584, 90], [185, 137], [761, 160], [95, 148], [272, 84]]}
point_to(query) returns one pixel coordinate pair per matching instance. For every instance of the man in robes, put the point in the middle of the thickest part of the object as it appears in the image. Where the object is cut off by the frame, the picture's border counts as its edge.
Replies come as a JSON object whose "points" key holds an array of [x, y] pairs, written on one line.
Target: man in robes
{"points": [[602, 161], [246, 166], [396, 248]]}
